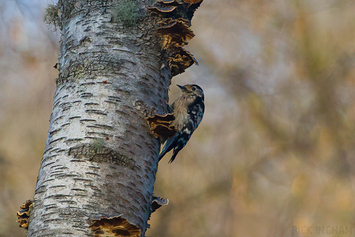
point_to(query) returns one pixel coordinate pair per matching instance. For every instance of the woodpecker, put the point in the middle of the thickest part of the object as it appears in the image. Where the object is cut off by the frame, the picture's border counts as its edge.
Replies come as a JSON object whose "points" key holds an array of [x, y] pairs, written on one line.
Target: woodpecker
{"points": [[188, 111]]}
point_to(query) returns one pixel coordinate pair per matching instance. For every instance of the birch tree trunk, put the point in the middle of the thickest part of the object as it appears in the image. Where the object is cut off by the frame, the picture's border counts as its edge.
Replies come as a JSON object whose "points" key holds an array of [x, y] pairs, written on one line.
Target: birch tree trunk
{"points": [[99, 165], [100, 158]]}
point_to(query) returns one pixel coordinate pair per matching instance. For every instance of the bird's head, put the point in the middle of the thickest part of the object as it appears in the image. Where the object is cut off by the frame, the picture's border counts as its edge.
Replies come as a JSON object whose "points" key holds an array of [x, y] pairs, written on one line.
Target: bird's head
{"points": [[192, 89]]}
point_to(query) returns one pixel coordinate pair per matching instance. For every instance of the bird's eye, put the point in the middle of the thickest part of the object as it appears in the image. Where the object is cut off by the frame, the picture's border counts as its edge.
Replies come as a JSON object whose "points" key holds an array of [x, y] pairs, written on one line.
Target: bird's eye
{"points": [[193, 88]]}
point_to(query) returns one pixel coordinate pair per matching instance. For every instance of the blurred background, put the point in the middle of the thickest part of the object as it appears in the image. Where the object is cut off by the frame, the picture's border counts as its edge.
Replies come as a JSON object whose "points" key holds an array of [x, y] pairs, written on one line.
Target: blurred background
{"points": [[275, 152]]}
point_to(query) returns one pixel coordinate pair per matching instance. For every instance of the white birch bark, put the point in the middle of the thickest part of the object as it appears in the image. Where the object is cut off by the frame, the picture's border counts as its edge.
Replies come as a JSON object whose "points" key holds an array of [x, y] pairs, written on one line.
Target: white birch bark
{"points": [[100, 158]]}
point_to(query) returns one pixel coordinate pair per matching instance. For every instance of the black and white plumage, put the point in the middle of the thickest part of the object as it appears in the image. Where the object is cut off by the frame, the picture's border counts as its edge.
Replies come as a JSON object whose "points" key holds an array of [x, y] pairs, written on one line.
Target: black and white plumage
{"points": [[188, 111]]}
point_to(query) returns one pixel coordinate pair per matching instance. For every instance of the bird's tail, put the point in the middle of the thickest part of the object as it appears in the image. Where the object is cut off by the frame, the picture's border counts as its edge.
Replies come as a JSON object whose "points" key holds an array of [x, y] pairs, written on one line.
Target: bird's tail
{"points": [[173, 157], [169, 144]]}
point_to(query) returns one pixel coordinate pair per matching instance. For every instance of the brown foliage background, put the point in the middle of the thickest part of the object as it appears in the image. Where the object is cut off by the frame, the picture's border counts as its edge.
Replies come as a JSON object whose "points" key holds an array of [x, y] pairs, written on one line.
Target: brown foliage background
{"points": [[276, 150]]}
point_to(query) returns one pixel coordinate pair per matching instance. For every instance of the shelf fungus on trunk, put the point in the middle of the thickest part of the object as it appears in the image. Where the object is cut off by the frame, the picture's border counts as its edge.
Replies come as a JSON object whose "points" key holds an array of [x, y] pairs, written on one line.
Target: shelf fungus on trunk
{"points": [[157, 202], [182, 59], [114, 226], [161, 126], [174, 31], [24, 213]]}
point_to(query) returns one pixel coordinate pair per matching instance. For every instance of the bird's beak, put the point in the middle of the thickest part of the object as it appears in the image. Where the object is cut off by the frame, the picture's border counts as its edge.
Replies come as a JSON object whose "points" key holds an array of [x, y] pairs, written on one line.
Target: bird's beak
{"points": [[183, 88]]}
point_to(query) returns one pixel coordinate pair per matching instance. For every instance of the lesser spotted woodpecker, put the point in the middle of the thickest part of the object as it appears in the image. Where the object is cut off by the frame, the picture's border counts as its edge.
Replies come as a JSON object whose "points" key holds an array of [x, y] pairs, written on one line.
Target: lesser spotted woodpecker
{"points": [[188, 111]]}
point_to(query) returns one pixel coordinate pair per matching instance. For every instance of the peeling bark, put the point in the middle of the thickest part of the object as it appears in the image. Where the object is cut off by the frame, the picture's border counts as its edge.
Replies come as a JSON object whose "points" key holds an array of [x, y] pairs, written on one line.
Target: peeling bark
{"points": [[100, 158]]}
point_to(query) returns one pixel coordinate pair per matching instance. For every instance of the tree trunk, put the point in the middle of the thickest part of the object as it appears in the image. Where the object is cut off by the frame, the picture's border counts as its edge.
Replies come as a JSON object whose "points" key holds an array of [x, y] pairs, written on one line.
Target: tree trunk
{"points": [[100, 158], [99, 165]]}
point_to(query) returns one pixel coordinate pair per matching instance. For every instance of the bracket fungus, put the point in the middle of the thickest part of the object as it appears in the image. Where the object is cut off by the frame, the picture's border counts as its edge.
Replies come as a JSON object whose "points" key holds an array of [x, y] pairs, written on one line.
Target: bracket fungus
{"points": [[24, 214], [161, 9], [114, 226], [161, 126], [158, 202], [192, 1], [174, 31], [169, 2], [181, 60]]}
